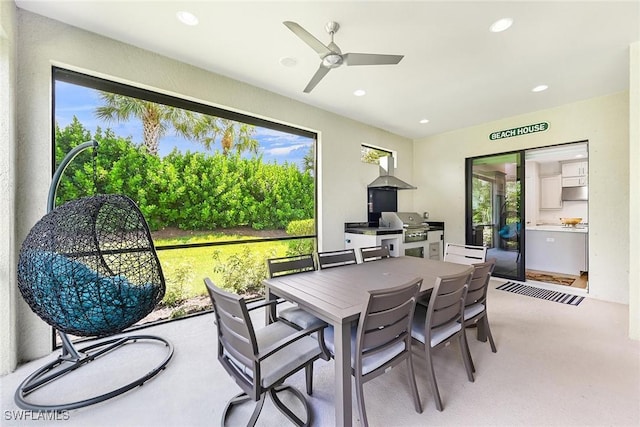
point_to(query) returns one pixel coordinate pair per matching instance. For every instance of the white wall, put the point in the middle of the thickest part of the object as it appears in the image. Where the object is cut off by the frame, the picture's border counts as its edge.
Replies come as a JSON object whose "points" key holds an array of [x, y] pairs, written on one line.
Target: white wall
{"points": [[439, 172], [43, 43], [634, 190], [7, 186]]}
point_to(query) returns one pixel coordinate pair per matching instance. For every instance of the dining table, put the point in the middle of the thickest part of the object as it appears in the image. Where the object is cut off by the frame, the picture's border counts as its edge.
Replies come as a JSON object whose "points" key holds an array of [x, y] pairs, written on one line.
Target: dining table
{"points": [[339, 295]]}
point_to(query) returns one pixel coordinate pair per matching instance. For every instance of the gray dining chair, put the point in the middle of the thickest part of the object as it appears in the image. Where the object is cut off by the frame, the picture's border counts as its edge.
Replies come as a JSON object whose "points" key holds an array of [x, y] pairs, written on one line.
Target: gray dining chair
{"points": [[382, 339], [260, 360], [438, 324], [464, 254], [294, 315], [339, 258], [374, 253], [475, 310]]}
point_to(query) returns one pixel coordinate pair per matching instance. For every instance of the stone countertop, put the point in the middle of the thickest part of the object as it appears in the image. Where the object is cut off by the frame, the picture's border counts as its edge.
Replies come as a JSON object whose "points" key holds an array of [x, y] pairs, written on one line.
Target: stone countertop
{"points": [[373, 231], [558, 228]]}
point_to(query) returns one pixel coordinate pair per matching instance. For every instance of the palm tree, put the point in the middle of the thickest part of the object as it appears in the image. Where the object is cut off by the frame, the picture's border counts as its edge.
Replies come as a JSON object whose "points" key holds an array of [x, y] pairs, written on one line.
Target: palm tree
{"points": [[208, 129], [157, 119], [309, 160]]}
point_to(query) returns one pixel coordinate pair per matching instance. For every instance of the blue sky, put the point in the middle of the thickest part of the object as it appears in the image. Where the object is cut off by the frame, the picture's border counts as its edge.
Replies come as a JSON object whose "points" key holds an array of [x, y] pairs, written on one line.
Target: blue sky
{"points": [[73, 100]]}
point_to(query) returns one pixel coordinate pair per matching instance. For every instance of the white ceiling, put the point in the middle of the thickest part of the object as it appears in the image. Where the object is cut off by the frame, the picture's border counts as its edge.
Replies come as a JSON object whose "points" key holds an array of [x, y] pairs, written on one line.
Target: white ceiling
{"points": [[455, 72]]}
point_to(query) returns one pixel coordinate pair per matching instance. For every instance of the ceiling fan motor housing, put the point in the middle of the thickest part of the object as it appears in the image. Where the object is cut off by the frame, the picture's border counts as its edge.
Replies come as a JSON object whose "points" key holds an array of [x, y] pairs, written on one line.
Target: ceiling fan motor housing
{"points": [[332, 60]]}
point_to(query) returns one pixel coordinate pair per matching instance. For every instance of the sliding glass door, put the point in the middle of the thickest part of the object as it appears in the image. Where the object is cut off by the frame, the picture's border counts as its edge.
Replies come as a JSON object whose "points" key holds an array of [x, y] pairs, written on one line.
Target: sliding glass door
{"points": [[494, 211]]}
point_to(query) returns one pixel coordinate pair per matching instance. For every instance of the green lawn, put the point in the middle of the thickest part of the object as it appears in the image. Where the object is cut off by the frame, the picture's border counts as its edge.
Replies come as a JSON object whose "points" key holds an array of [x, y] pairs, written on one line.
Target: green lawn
{"points": [[185, 269]]}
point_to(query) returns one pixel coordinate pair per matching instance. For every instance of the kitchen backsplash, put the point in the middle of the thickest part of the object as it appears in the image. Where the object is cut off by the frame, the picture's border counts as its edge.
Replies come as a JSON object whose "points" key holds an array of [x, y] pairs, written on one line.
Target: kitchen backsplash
{"points": [[569, 209]]}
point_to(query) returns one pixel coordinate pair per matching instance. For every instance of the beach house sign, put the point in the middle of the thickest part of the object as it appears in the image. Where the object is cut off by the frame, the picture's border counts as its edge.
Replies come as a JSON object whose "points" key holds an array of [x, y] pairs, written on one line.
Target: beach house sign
{"points": [[522, 130]]}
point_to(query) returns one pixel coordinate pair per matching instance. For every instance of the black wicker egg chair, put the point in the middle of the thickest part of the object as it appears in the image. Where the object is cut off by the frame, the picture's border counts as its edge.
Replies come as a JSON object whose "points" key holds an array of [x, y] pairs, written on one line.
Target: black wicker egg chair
{"points": [[89, 269]]}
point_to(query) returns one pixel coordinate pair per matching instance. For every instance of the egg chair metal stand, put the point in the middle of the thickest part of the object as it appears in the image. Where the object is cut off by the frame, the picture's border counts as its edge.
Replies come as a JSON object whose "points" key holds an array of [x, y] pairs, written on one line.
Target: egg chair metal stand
{"points": [[89, 268]]}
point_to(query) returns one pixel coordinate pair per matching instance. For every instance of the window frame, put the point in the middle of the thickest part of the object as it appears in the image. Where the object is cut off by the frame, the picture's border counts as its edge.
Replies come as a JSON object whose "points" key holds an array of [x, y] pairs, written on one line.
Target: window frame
{"points": [[98, 83], [86, 80], [389, 152]]}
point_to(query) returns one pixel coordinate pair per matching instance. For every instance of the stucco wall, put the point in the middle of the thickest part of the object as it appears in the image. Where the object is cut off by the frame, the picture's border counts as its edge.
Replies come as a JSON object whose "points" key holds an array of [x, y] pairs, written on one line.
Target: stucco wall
{"points": [[7, 186], [439, 163], [634, 190], [43, 43]]}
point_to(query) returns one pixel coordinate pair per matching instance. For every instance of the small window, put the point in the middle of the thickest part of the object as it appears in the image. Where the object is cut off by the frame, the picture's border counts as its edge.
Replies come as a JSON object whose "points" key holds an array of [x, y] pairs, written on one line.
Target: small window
{"points": [[369, 154]]}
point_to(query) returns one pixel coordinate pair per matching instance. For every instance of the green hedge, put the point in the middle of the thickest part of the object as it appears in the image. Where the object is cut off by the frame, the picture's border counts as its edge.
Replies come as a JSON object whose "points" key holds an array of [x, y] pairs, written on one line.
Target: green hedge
{"points": [[190, 191]]}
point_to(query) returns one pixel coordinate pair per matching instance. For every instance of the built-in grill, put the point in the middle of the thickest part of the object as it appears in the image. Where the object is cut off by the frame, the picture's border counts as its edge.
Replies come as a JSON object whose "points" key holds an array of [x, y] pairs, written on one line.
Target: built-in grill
{"points": [[413, 225]]}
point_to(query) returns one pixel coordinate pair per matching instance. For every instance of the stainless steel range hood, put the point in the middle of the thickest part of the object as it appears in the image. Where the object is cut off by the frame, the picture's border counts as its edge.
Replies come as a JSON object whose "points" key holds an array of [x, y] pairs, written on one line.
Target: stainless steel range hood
{"points": [[575, 193], [387, 179]]}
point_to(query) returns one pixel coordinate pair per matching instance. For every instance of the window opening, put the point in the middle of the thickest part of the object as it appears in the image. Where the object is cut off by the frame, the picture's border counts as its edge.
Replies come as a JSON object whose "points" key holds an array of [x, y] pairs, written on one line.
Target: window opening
{"points": [[370, 154], [221, 191]]}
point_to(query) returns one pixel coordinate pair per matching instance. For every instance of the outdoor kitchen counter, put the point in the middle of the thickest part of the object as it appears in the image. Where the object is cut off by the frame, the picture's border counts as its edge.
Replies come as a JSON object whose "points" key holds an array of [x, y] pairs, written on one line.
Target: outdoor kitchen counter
{"points": [[373, 231]]}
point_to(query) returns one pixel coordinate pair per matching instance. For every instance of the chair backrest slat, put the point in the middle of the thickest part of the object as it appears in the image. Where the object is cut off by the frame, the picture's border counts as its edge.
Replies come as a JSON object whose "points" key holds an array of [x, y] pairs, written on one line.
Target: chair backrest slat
{"points": [[385, 328], [329, 259], [374, 253], [387, 317], [290, 265], [465, 254], [479, 281], [447, 299], [235, 330]]}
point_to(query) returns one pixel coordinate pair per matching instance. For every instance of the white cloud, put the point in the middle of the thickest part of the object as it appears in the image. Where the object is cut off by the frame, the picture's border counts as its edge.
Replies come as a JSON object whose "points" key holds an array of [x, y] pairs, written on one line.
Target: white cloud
{"points": [[282, 151]]}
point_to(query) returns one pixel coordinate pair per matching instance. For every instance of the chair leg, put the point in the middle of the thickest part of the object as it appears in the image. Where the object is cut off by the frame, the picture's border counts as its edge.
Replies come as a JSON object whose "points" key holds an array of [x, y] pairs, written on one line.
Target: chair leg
{"points": [[466, 354], [256, 411], [285, 410], [473, 367], [488, 329], [432, 380], [326, 354], [308, 370], [414, 386], [360, 399], [238, 399]]}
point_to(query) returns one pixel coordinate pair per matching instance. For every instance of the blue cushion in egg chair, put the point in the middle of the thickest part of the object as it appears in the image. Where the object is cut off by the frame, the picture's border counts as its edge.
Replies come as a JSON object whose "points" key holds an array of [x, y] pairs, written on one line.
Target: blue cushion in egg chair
{"points": [[509, 231]]}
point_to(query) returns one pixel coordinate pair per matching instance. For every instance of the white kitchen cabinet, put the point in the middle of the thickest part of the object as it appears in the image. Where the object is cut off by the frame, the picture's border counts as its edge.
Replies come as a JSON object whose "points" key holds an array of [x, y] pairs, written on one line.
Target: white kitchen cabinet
{"points": [[574, 181], [362, 240], [532, 200], [551, 192], [435, 245], [575, 169]]}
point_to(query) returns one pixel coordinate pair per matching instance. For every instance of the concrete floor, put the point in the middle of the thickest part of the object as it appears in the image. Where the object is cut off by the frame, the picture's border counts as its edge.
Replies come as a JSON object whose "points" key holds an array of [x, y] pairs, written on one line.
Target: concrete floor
{"points": [[556, 365]]}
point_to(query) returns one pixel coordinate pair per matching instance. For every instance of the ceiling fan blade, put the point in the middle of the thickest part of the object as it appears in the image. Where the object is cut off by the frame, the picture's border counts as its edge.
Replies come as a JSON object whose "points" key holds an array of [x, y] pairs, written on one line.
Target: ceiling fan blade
{"points": [[370, 59], [322, 71], [308, 38]]}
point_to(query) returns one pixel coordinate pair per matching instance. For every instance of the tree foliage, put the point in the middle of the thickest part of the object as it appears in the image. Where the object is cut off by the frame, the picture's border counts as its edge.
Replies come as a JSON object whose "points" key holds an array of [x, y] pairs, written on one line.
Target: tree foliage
{"points": [[371, 155], [190, 191], [482, 201], [158, 119]]}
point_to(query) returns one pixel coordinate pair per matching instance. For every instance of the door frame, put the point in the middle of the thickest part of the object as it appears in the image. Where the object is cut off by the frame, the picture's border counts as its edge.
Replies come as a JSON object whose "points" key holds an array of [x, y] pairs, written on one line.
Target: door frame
{"points": [[520, 175]]}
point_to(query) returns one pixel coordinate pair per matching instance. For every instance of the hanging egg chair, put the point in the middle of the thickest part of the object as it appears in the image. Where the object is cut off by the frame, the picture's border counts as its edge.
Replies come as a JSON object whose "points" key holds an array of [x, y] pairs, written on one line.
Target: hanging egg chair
{"points": [[89, 268]]}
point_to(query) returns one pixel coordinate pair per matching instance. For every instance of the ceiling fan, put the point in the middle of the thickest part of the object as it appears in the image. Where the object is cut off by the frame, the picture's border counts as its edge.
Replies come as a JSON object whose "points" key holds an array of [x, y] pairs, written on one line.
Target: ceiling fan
{"points": [[332, 56]]}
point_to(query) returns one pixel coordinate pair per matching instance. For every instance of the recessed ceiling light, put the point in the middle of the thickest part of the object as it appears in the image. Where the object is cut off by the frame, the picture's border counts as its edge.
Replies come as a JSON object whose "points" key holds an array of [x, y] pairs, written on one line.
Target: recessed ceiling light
{"points": [[501, 25], [423, 121], [187, 18], [540, 88], [579, 156], [287, 61], [359, 92]]}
